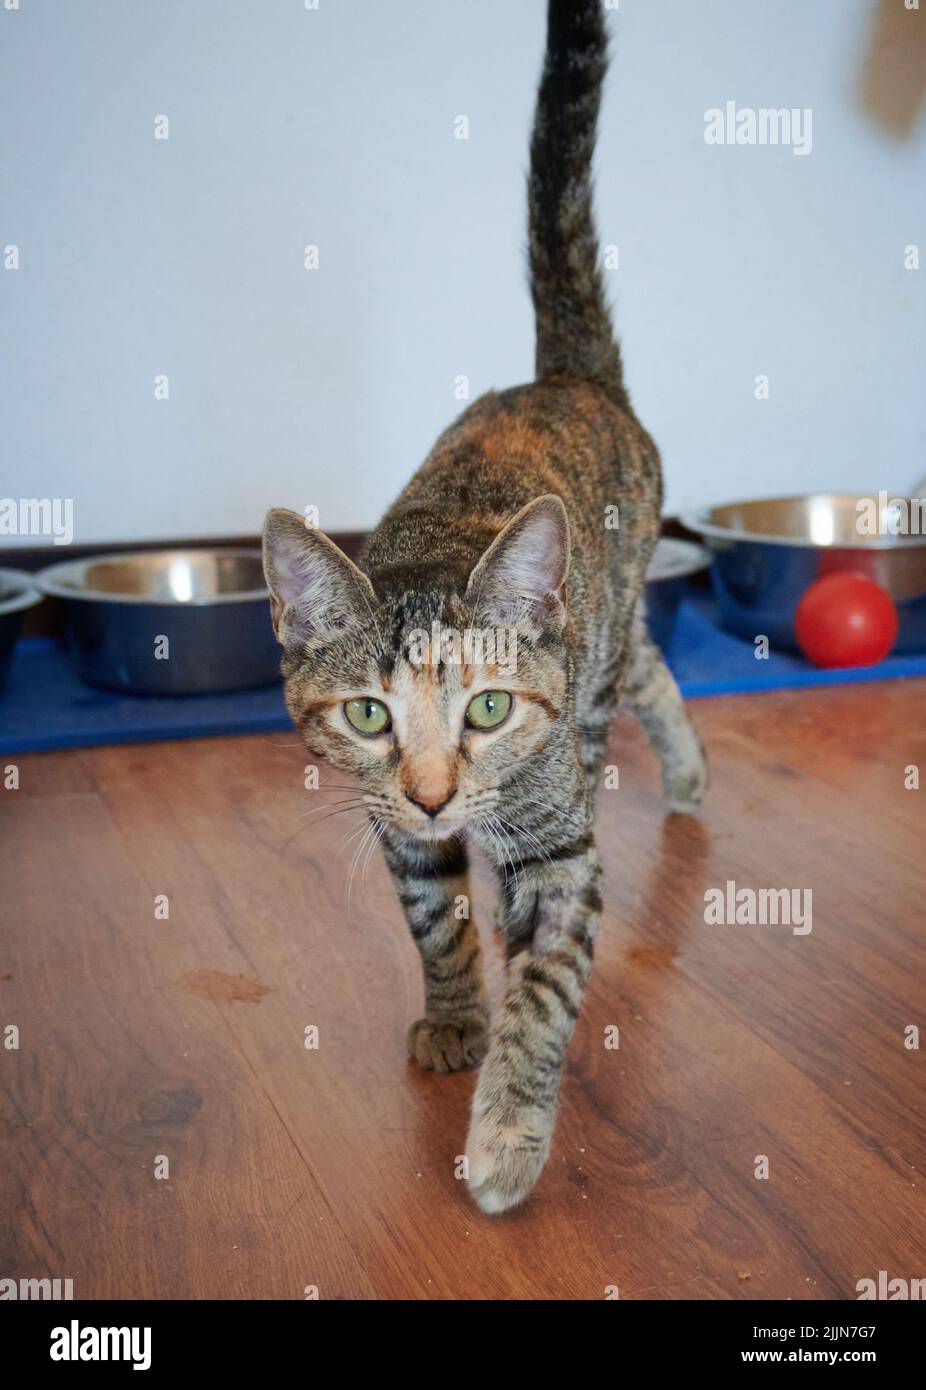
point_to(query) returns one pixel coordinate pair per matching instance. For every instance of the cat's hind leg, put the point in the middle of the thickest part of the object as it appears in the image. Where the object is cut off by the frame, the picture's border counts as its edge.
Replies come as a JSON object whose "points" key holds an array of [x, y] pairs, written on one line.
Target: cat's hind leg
{"points": [[650, 692]]}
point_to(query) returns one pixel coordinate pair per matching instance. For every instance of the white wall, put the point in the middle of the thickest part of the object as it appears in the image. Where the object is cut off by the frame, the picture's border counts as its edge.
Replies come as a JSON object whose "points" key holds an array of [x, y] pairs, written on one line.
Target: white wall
{"points": [[335, 127]]}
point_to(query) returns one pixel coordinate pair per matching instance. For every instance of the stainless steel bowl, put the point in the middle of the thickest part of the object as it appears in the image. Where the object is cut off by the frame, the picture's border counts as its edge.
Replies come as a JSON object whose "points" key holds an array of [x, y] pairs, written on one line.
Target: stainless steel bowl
{"points": [[167, 622], [767, 552], [672, 565], [18, 591]]}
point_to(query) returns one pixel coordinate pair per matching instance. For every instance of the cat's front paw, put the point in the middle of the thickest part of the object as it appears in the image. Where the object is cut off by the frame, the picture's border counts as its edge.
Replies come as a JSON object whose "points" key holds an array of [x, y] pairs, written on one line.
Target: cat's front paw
{"points": [[506, 1153], [447, 1045]]}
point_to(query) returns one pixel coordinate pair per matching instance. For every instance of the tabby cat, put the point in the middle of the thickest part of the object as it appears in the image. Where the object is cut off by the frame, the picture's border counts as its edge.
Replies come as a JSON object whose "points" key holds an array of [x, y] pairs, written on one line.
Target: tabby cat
{"points": [[508, 527]]}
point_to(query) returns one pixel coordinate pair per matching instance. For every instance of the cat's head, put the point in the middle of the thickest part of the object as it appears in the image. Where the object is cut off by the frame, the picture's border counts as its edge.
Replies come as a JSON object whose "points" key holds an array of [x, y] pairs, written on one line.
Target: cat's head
{"points": [[433, 688]]}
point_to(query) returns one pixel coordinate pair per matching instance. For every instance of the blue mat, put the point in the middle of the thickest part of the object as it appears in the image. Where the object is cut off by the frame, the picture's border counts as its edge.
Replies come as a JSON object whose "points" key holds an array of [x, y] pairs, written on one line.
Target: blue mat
{"points": [[705, 660], [47, 706]]}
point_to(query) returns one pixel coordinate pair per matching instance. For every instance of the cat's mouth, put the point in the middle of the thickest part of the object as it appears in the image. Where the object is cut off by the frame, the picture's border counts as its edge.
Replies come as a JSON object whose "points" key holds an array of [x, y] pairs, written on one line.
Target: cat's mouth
{"points": [[429, 831], [443, 826]]}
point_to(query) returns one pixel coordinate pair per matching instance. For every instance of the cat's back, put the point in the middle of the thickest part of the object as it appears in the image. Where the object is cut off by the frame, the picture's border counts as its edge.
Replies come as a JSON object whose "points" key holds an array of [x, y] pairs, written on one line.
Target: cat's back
{"points": [[559, 435]]}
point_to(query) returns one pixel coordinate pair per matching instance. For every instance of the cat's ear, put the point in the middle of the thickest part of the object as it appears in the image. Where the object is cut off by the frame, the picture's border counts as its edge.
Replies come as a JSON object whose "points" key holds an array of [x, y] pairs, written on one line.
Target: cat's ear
{"points": [[521, 575], [314, 587]]}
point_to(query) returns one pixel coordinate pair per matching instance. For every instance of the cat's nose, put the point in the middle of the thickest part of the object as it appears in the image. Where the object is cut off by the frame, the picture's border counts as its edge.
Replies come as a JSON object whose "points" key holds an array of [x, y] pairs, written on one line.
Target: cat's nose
{"points": [[430, 804]]}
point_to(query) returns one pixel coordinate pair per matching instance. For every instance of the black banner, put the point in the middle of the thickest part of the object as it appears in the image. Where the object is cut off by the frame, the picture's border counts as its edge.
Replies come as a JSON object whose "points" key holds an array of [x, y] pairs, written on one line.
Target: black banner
{"points": [[159, 1339]]}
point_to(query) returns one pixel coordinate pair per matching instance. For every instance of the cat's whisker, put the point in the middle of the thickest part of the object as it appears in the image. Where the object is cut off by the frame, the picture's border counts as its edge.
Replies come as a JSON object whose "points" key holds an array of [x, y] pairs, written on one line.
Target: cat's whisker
{"points": [[532, 840], [549, 805], [350, 871], [500, 824], [332, 811], [367, 845], [373, 844], [483, 825], [330, 805], [352, 834], [505, 860], [513, 831], [561, 812], [370, 830]]}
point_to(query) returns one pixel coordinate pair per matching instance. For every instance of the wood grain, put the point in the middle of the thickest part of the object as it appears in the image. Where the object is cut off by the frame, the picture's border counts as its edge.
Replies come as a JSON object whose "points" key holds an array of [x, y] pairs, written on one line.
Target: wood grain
{"points": [[334, 1166]]}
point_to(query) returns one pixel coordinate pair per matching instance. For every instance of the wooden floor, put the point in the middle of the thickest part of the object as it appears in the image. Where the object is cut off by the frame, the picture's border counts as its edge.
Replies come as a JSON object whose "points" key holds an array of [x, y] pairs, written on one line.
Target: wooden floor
{"points": [[334, 1167]]}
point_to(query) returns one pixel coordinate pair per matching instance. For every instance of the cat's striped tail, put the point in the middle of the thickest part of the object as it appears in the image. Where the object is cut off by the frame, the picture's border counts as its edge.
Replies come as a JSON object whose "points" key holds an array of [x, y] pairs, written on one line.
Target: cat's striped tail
{"points": [[574, 331]]}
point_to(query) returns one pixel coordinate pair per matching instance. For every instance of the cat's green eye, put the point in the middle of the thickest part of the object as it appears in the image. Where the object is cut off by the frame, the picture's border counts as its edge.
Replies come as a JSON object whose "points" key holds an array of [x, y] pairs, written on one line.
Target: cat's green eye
{"points": [[487, 710], [367, 716]]}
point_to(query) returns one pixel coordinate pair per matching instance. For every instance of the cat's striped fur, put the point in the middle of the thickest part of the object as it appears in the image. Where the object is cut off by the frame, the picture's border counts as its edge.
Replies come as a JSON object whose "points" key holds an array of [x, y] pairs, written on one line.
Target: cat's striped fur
{"points": [[503, 524]]}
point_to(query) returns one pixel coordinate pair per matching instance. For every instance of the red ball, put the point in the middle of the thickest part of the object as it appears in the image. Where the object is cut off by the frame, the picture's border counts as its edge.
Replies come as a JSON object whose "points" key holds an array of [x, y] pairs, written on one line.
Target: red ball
{"points": [[846, 619]]}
